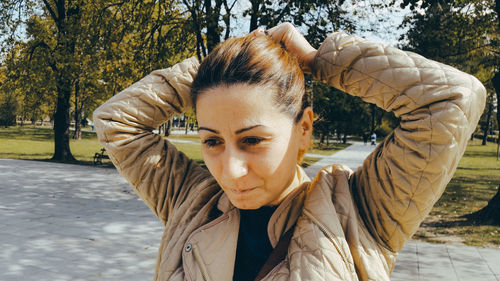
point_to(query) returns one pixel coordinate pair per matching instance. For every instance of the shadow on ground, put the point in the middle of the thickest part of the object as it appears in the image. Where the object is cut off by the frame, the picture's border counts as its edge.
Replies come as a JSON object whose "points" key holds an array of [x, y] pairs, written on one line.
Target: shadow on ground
{"points": [[73, 222]]}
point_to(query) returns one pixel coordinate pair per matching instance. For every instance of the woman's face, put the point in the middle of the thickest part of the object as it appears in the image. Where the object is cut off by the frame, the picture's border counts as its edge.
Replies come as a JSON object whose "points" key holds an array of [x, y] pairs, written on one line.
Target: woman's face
{"points": [[248, 145]]}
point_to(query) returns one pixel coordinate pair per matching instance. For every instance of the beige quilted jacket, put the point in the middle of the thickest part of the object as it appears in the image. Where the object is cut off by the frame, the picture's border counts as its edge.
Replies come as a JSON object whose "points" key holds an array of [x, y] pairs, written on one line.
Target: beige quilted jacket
{"points": [[350, 226]]}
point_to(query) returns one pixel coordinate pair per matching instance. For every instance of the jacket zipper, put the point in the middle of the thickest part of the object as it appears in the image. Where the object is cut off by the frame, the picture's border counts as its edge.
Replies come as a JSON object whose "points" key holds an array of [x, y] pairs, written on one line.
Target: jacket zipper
{"points": [[201, 264], [327, 234]]}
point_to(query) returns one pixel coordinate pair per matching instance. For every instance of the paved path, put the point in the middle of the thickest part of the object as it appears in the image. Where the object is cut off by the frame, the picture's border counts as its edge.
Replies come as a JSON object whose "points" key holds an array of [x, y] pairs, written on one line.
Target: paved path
{"points": [[426, 261], [71, 222], [352, 156]]}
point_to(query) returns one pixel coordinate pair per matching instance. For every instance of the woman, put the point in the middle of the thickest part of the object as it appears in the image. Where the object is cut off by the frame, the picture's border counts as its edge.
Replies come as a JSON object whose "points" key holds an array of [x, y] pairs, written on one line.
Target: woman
{"points": [[223, 224]]}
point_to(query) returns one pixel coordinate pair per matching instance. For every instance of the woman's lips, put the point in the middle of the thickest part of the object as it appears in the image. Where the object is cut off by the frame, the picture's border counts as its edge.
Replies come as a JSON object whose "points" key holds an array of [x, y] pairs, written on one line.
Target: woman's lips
{"points": [[242, 191]]}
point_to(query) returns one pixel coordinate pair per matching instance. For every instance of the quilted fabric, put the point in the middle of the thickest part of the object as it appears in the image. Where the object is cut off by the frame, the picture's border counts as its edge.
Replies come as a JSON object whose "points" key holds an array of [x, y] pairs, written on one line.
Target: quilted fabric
{"points": [[349, 226]]}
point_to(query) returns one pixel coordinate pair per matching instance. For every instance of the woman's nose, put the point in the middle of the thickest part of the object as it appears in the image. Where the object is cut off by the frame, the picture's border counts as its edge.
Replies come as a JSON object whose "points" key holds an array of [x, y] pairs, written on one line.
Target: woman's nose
{"points": [[235, 164]]}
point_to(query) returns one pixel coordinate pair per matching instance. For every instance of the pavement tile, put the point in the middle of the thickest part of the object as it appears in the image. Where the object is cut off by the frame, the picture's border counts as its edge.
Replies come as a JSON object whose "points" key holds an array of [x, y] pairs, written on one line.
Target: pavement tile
{"points": [[17, 272], [407, 263], [60, 224], [492, 258], [434, 262], [469, 264]]}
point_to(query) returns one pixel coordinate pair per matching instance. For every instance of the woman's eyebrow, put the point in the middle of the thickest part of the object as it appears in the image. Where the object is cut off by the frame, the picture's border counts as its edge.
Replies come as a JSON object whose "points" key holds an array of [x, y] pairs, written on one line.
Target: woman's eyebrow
{"points": [[246, 129], [208, 129], [237, 132]]}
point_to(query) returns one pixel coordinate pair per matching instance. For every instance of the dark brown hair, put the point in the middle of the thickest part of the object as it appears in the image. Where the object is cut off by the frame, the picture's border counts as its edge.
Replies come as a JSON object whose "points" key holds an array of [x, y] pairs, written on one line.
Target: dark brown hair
{"points": [[254, 60]]}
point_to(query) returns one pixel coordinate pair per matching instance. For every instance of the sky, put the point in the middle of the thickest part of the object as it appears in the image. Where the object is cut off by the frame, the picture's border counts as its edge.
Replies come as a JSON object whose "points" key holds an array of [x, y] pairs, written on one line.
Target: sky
{"points": [[386, 31], [385, 22]]}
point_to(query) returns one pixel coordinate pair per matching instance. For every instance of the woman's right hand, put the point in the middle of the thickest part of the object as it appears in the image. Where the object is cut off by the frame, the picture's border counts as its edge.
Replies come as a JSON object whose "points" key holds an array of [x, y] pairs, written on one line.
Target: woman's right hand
{"points": [[294, 42]]}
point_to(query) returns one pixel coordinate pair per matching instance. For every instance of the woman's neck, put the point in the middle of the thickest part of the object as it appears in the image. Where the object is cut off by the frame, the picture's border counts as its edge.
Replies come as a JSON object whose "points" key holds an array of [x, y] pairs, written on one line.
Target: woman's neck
{"points": [[294, 184]]}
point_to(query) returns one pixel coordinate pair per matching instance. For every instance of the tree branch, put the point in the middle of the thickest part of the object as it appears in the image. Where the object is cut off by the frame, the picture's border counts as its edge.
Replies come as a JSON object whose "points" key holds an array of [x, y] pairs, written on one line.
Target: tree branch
{"points": [[43, 45], [284, 11], [496, 52], [112, 5], [51, 11], [61, 10], [469, 50]]}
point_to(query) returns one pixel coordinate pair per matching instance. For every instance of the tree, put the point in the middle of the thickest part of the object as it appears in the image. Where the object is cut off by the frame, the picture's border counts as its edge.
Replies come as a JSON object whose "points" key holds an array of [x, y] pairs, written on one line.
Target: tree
{"points": [[465, 34], [338, 112], [496, 85], [461, 34], [316, 18], [65, 16], [490, 214], [91, 47], [205, 16]]}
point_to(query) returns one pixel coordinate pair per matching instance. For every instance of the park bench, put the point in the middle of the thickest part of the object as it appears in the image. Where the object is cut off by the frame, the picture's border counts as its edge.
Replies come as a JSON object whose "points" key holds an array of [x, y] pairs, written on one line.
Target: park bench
{"points": [[98, 156]]}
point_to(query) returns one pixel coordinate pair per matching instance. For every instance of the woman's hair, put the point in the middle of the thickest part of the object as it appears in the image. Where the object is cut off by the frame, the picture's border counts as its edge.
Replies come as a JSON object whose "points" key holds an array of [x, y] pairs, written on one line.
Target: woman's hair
{"points": [[254, 60]]}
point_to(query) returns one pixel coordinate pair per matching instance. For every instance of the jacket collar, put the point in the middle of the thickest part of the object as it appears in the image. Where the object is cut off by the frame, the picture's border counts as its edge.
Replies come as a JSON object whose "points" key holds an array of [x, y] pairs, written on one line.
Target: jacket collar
{"points": [[287, 212]]}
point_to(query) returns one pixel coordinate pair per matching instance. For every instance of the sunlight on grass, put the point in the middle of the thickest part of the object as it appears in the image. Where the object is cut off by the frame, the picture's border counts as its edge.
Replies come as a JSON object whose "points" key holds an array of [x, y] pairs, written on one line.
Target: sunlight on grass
{"points": [[192, 151], [329, 149], [308, 161], [36, 143], [474, 183]]}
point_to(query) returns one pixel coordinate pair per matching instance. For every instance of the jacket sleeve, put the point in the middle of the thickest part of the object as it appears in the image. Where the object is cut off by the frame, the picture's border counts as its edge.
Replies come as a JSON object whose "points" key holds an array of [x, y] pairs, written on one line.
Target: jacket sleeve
{"points": [[161, 175], [439, 107]]}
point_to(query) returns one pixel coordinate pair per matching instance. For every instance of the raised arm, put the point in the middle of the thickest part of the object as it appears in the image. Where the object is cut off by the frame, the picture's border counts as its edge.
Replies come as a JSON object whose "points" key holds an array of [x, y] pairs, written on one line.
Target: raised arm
{"points": [[439, 107], [161, 175]]}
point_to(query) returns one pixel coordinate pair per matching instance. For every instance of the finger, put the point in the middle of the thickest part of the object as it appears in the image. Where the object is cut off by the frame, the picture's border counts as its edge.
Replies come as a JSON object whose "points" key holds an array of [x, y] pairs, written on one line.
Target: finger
{"points": [[277, 32], [258, 32]]}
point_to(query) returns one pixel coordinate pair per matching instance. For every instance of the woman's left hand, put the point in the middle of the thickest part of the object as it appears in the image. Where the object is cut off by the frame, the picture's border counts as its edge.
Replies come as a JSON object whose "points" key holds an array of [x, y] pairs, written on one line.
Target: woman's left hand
{"points": [[294, 42]]}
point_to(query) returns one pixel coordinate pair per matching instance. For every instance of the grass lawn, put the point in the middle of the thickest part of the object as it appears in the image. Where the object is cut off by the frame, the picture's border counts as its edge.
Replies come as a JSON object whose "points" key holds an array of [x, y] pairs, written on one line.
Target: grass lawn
{"points": [[37, 143], [329, 149], [474, 183]]}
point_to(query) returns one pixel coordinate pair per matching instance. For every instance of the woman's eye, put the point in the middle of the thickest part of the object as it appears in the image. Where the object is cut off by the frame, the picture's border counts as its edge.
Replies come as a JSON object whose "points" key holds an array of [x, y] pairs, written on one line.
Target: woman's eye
{"points": [[252, 140], [211, 142]]}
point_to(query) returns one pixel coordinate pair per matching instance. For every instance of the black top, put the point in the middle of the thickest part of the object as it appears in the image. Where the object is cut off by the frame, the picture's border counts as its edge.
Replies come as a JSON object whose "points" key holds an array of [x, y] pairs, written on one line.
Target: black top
{"points": [[254, 246]]}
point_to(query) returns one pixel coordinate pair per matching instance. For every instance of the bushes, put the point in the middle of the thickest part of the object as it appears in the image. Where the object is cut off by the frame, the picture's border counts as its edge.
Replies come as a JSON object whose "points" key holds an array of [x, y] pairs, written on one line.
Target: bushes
{"points": [[383, 130]]}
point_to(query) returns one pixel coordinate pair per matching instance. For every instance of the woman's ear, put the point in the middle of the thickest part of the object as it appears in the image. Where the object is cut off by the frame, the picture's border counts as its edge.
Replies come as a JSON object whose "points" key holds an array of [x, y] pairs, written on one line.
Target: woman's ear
{"points": [[305, 128]]}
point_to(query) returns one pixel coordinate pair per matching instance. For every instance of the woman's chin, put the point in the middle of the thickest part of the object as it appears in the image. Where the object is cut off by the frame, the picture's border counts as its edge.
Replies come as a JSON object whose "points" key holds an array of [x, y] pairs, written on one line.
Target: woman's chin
{"points": [[246, 200]]}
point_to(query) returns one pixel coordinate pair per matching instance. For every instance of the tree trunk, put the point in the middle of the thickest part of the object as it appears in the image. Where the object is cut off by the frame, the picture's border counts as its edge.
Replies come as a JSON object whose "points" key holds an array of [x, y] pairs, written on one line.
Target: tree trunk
{"points": [[488, 121], [227, 18], [62, 151], [67, 22], [372, 123], [201, 51], [212, 15], [167, 128], [490, 214], [78, 112], [496, 85], [254, 16]]}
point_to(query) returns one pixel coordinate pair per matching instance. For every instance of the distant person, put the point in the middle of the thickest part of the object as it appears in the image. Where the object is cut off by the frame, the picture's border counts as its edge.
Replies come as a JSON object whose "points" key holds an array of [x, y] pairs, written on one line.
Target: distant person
{"points": [[373, 138], [254, 201], [365, 137]]}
